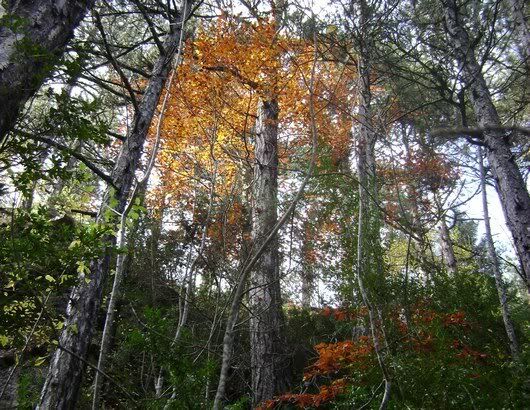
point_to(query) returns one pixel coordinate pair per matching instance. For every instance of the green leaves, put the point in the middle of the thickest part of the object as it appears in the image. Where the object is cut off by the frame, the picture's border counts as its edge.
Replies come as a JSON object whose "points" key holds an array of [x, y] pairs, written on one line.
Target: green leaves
{"points": [[82, 268], [76, 119], [42, 255]]}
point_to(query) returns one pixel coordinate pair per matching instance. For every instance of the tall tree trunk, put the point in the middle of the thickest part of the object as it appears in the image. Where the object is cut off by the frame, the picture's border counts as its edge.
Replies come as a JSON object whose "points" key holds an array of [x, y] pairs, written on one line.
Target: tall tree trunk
{"points": [[228, 339], [369, 258], [28, 53], [509, 182], [269, 364], [448, 252], [308, 259], [62, 384], [307, 275], [501, 289]]}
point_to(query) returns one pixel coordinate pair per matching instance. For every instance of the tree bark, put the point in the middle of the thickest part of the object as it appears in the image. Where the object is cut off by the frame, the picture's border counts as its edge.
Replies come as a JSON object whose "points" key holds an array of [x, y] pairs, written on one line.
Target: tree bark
{"points": [[509, 182], [269, 364], [62, 384], [501, 289], [33, 35], [9, 385], [369, 256], [307, 275], [448, 252]]}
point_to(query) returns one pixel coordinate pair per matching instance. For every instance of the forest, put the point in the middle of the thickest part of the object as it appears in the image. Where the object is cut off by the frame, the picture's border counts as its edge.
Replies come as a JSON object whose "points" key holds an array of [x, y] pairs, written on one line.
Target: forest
{"points": [[264, 204]]}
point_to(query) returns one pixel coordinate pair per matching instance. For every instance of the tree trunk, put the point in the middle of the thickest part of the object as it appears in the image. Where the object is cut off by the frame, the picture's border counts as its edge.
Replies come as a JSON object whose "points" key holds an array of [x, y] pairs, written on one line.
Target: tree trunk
{"points": [[369, 256], [269, 364], [448, 252], [501, 289], [307, 275], [509, 182], [9, 383], [228, 339], [62, 384], [29, 53]]}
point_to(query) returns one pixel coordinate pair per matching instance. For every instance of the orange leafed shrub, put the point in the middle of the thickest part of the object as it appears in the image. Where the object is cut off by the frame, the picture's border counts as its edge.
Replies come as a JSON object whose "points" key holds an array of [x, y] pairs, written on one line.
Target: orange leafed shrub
{"points": [[333, 357], [305, 400], [457, 319], [468, 352], [339, 314]]}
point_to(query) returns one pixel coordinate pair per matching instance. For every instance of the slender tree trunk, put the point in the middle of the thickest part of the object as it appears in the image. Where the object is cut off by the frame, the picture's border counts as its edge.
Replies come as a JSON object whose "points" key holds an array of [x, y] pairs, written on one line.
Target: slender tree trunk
{"points": [[228, 340], [111, 312], [269, 362], [307, 275], [64, 375], [190, 277], [70, 166], [501, 289], [448, 252], [372, 310], [28, 54], [9, 384], [368, 230], [509, 182]]}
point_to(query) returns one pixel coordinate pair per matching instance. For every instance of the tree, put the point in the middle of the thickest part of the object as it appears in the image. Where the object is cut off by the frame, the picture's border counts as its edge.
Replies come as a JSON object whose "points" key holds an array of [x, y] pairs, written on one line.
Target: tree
{"points": [[269, 362], [494, 260], [33, 36], [66, 369], [509, 182]]}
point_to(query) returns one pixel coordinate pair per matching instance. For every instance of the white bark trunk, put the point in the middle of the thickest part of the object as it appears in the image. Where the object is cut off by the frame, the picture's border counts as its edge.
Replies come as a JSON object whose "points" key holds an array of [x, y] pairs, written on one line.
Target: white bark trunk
{"points": [[448, 252], [501, 289]]}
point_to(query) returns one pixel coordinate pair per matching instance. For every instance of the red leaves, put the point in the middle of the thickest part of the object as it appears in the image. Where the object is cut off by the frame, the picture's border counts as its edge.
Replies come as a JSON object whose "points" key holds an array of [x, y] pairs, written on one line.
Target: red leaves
{"points": [[338, 314], [306, 400], [343, 314], [332, 357], [457, 319], [467, 352]]}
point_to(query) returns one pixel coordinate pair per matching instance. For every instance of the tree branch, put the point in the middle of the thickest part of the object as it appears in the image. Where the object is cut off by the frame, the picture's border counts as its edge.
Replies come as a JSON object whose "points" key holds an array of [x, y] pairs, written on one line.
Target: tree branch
{"points": [[70, 151], [114, 62]]}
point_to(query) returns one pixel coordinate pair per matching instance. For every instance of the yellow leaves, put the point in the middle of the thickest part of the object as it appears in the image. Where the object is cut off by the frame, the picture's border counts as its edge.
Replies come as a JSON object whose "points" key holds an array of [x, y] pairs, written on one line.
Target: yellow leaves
{"points": [[4, 340], [228, 67], [40, 361]]}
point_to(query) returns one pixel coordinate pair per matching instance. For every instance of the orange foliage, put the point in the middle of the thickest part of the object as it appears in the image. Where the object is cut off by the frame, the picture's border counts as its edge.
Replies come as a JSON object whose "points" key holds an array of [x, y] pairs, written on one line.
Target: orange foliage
{"points": [[226, 70], [333, 357], [340, 314], [305, 400], [466, 352], [410, 182]]}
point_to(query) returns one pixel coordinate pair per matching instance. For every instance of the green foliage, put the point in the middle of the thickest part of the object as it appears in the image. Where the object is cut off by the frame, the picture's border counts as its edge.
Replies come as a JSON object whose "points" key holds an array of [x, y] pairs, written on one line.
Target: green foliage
{"points": [[40, 257], [30, 380], [76, 119], [155, 335]]}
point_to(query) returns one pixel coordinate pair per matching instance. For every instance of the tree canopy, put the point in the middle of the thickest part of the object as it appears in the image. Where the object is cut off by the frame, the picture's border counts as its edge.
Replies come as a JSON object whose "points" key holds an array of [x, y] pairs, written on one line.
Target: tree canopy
{"points": [[264, 204]]}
